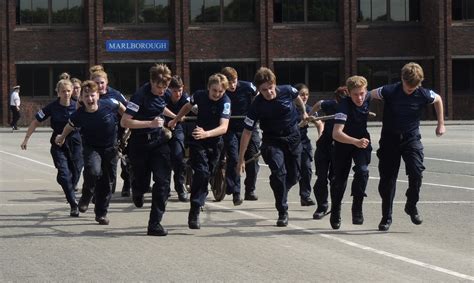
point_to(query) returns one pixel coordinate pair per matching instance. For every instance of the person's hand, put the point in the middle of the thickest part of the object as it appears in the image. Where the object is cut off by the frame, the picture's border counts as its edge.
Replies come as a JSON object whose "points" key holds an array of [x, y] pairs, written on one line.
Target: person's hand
{"points": [[240, 168], [158, 122], [59, 140], [440, 130], [24, 144], [199, 133], [362, 143], [172, 123]]}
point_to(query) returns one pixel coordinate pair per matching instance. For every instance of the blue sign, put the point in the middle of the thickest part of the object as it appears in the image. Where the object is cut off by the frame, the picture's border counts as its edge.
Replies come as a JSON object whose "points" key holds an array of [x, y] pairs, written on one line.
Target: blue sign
{"points": [[137, 45]]}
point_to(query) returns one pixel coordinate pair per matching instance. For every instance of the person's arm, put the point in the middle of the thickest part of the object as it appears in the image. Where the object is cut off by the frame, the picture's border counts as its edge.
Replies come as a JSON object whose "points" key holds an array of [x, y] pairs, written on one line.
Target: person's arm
{"points": [[340, 136], [301, 107], [33, 125], [168, 113], [127, 121], [319, 127], [244, 142], [199, 133], [121, 109], [59, 140], [376, 93], [316, 107], [438, 105], [182, 112]]}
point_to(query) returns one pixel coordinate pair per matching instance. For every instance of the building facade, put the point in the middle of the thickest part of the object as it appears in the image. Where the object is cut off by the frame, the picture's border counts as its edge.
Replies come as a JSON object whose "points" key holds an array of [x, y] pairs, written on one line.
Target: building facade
{"points": [[317, 42]]}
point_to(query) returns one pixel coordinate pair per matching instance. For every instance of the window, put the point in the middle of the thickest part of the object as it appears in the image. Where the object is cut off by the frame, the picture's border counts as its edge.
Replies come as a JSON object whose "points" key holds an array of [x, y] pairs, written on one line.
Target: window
{"points": [[136, 12], [127, 78], [40, 80], [305, 11], [318, 76], [463, 77], [49, 12], [200, 72], [463, 10], [389, 10], [379, 73], [222, 11]]}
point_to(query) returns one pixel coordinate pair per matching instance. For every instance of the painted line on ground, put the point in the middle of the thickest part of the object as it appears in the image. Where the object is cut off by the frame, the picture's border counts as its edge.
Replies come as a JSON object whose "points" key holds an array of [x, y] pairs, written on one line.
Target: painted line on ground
{"points": [[356, 245], [26, 158], [431, 184], [441, 159]]}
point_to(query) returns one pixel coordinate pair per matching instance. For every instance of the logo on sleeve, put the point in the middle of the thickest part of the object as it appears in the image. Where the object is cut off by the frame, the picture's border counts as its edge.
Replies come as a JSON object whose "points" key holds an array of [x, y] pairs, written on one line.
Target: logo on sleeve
{"points": [[114, 101], [41, 114], [226, 109], [249, 122], [432, 94], [340, 116], [294, 90], [133, 107], [253, 87]]}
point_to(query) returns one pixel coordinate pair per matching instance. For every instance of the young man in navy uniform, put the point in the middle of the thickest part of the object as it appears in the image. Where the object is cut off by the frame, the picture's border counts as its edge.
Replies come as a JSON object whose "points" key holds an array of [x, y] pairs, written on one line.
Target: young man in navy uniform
{"points": [[206, 145], [98, 124], [241, 94], [323, 155], [400, 138], [281, 146], [352, 142], [175, 99], [149, 151]]}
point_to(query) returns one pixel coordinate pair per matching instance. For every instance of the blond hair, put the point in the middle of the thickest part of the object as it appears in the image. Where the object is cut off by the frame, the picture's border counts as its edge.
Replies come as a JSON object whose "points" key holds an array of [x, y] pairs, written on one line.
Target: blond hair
{"points": [[219, 79], [230, 73], [63, 83], [160, 73], [412, 74], [355, 82]]}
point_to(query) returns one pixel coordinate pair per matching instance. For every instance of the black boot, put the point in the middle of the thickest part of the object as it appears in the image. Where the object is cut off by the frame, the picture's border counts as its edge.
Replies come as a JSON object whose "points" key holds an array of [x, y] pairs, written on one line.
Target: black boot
{"points": [[357, 215], [282, 219], [193, 218], [335, 218], [415, 217], [126, 189]]}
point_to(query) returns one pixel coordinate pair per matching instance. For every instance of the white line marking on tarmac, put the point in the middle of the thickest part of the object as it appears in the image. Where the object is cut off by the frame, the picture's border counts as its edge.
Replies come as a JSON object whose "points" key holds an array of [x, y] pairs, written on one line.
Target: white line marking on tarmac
{"points": [[26, 158], [441, 159], [431, 184], [359, 246]]}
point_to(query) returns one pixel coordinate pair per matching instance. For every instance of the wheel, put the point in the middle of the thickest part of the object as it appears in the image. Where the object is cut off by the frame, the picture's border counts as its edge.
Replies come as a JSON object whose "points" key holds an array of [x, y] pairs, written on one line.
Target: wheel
{"points": [[218, 182]]}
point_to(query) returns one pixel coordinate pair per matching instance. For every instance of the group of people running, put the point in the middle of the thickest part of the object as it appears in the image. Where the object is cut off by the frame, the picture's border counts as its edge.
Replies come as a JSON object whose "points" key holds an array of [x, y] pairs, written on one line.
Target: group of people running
{"points": [[91, 121]]}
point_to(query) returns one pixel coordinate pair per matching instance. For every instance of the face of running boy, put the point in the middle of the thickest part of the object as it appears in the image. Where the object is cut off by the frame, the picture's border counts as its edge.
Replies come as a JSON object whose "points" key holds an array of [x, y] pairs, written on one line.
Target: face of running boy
{"points": [[268, 90], [216, 91]]}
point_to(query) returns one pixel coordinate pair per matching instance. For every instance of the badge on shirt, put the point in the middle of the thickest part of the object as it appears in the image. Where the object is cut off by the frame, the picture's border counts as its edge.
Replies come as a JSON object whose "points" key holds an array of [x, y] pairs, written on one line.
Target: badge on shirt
{"points": [[132, 106], [226, 109]]}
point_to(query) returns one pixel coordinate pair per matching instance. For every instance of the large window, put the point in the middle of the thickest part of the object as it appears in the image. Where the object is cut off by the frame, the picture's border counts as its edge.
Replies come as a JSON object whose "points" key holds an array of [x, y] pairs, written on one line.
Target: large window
{"points": [[40, 80], [136, 11], [222, 11], [379, 73], [200, 72], [49, 12], [318, 76], [463, 77], [285, 11], [389, 10], [463, 10]]}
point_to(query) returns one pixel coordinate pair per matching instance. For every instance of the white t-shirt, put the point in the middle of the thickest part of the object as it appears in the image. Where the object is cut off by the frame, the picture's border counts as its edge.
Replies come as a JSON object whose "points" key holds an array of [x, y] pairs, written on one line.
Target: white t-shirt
{"points": [[15, 98]]}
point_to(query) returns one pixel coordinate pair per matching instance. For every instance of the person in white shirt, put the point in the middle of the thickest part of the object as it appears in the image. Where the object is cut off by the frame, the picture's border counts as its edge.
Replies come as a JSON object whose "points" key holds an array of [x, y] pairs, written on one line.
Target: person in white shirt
{"points": [[15, 106]]}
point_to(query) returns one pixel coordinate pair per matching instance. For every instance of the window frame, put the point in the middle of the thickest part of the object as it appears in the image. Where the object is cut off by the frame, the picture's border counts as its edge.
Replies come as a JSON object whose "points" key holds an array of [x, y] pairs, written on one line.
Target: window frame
{"points": [[305, 14], [464, 18], [221, 20], [388, 15], [50, 15], [136, 17]]}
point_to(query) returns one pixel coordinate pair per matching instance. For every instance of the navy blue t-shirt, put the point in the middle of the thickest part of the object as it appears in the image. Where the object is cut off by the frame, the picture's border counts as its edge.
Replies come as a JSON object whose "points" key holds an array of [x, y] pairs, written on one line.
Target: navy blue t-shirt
{"points": [[402, 112], [59, 115], [353, 117], [329, 107], [210, 112], [145, 106], [175, 107], [115, 94], [99, 128], [241, 100], [277, 116]]}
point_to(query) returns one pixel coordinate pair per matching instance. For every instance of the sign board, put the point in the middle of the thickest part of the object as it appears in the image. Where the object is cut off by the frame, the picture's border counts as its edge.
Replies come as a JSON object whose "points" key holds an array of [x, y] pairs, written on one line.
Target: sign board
{"points": [[137, 45]]}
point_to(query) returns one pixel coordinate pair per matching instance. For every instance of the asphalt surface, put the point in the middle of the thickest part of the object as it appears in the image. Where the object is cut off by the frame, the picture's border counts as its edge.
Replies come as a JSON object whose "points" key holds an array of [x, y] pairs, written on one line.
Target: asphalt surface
{"points": [[39, 242]]}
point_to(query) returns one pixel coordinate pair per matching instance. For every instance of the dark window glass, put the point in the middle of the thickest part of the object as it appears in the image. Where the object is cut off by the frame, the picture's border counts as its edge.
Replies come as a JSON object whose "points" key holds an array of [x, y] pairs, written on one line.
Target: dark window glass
{"points": [[293, 11], [322, 10], [239, 10], [119, 11], [389, 10], [200, 72], [379, 73], [67, 11], [37, 12], [290, 72], [463, 10], [463, 77], [318, 76], [203, 11], [40, 80], [153, 11]]}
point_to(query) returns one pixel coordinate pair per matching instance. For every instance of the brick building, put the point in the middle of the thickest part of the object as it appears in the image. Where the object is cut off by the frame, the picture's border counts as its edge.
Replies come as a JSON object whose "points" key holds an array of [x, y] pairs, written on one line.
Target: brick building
{"points": [[317, 42]]}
